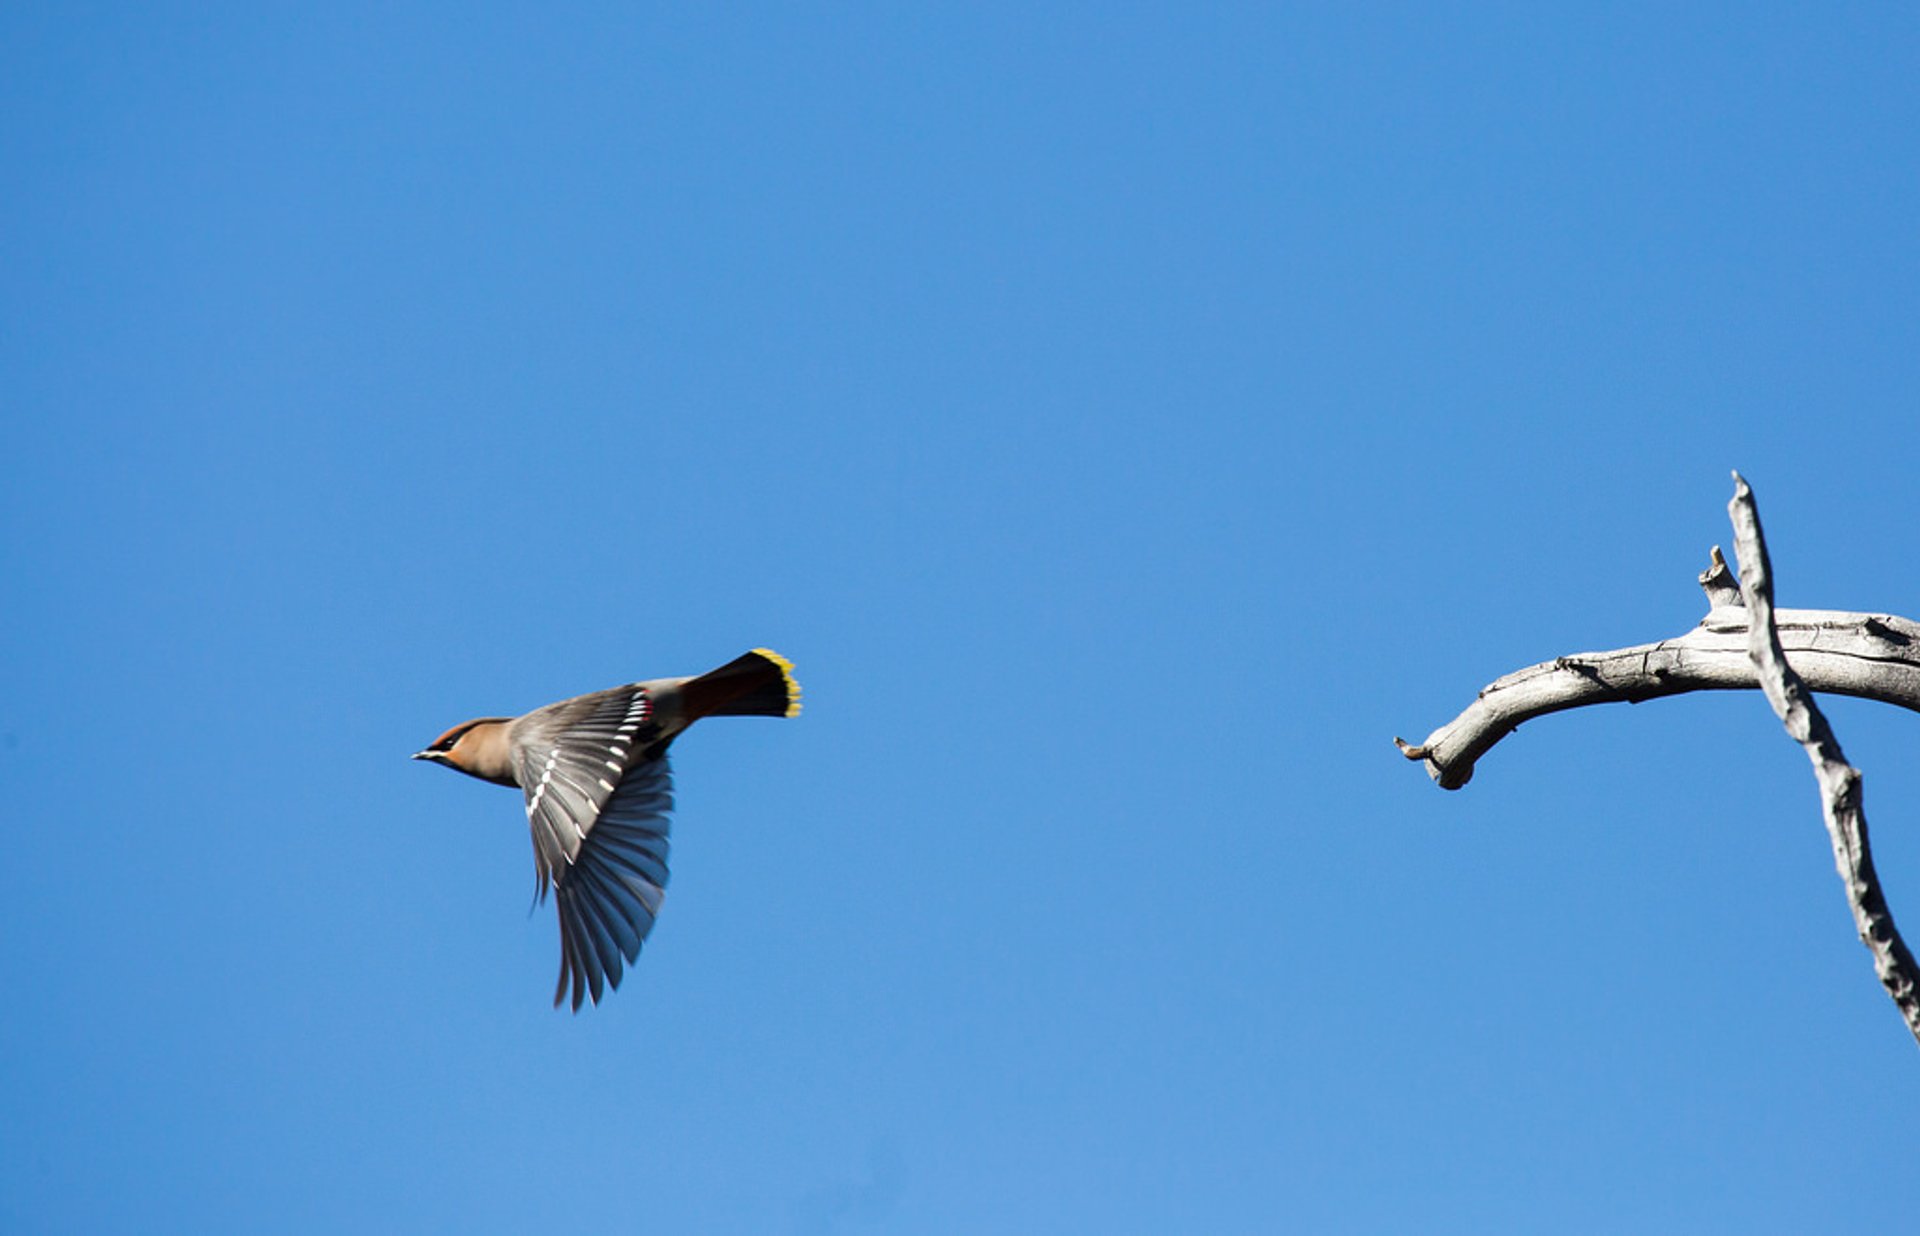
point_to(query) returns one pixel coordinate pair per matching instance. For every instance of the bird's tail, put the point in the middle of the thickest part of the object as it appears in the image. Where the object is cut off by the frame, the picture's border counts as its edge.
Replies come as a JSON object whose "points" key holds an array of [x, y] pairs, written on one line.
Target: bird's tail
{"points": [[759, 684]]}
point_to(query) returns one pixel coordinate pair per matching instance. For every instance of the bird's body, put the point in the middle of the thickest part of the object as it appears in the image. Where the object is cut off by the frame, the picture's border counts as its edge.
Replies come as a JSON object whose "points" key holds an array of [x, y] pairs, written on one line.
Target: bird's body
{"points": [[598, 794]]}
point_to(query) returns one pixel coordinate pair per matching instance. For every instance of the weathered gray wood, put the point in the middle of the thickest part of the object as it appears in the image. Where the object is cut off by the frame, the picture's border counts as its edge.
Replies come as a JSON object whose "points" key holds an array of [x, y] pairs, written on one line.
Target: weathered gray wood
{"points": [[1840, 785], [1873, 656], [1742, 643]]}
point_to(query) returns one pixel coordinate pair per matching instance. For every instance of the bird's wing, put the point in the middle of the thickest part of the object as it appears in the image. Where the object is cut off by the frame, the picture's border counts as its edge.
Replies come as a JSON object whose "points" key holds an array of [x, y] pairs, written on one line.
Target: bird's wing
{"points": [[608, 898], [569, 758], [598, 794]]}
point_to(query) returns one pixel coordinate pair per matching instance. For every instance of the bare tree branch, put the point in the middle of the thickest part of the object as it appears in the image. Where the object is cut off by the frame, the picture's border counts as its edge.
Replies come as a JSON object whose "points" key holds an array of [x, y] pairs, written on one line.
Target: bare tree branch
{"points": [[1841, 790], [1874, 656], [1743, 642]]}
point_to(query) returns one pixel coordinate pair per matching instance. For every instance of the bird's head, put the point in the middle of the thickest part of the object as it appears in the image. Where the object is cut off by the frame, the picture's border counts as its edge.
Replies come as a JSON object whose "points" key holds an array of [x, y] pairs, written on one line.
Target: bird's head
{"points": [[468, 746]]}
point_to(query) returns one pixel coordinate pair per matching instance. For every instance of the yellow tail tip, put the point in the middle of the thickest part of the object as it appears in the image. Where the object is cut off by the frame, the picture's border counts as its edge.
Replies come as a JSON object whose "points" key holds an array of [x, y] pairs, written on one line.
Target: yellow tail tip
{"points": [[786, 672]]}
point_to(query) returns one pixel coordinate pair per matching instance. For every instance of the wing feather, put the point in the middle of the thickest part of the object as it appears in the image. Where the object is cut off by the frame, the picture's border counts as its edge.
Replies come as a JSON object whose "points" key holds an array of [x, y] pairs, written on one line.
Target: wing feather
{"points": [[597, 807]]}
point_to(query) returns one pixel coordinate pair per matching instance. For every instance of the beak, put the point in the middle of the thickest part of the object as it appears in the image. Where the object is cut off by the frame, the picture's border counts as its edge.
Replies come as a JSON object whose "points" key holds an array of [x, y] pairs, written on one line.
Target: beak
{"points": [[423, 755]]}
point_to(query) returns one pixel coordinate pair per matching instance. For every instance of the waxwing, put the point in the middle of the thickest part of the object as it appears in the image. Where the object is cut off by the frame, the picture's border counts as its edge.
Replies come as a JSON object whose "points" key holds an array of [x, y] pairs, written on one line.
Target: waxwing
{"points": [[594, 769]]}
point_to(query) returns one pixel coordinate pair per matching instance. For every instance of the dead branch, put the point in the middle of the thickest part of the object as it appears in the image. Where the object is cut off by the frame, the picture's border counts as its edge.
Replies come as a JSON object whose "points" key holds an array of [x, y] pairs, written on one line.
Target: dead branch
{"points": [[1841, 791], [1742, 643], [1873, 656]]}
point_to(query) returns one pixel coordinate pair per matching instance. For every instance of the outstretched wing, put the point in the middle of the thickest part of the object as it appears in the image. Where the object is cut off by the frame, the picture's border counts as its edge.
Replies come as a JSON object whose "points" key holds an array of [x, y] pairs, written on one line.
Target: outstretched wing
{"points": [[598, 794], [608, 898]]}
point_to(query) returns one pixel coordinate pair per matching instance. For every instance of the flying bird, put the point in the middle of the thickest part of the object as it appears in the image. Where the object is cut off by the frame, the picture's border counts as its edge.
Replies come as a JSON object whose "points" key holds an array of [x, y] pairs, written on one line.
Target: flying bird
{"points": [[594, 769]]}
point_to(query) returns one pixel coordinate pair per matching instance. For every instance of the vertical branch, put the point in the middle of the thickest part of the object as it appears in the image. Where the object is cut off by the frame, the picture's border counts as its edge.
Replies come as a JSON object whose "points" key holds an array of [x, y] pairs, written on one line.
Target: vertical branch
{"points": [[1840, 786]]}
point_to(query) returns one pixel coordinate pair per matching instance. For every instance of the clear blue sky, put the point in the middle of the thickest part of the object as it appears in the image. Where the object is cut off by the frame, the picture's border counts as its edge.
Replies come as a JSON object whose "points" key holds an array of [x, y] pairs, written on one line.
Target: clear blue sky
{"points": [[1129, 418]]}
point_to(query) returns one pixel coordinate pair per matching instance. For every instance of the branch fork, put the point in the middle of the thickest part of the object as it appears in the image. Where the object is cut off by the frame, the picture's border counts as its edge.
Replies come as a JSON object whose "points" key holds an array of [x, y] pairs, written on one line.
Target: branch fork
{"points": [[1743, 642]]}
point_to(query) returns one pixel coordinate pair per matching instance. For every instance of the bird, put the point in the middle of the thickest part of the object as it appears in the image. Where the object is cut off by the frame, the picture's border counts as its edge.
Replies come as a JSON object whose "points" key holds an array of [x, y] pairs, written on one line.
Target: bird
{"points": [[598, 796]]}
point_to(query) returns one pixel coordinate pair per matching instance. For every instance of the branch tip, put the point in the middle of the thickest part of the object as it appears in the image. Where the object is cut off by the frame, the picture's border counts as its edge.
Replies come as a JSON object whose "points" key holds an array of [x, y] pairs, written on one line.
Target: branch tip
{"points": [[1718, 581]]}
